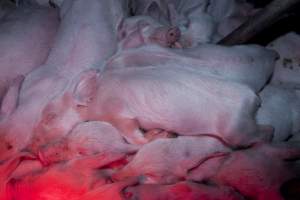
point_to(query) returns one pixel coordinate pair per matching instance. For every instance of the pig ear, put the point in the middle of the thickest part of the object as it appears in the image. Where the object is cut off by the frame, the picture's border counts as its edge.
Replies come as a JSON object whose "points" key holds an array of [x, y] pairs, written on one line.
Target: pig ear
{"points": [[85, 90]]}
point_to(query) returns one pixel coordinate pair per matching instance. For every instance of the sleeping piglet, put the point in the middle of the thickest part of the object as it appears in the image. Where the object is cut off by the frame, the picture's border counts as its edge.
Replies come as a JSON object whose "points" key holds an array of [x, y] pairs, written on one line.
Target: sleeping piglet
{"points": [[259, 172], [171, 98], [168, 160]]}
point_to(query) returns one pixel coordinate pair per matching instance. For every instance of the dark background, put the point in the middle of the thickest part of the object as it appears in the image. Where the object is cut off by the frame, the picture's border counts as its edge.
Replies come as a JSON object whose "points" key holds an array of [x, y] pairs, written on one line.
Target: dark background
{"points": [[289, 22]]}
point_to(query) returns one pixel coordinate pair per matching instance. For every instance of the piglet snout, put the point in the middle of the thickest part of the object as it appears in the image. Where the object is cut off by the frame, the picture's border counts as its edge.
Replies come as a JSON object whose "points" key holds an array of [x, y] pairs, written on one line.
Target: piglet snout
{"points": [[173, 35], [166, 36]]}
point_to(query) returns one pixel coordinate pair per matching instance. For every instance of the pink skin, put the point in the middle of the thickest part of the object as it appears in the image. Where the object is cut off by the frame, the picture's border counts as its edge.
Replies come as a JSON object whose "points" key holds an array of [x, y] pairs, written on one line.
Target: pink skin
{"points": [[180, 191], [214, 60], [110, 191], [63, 181], [259, 172], [201, 29], [47, 131], [74, 50], [166, 161], [232, 123], [95, 98], [87, 139], [250, 65], [137, 31], [196, 25], [281, 109], [25, 24], [27, 167], [156, 134], [287, 68], [166, 36], [7, 169]]}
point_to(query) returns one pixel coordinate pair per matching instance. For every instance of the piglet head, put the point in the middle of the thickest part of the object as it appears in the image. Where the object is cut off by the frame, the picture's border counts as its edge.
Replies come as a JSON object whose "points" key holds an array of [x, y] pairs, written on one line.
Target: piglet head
{"points": [[137, 31], [57, 119], [64, 112], [166, 36]]}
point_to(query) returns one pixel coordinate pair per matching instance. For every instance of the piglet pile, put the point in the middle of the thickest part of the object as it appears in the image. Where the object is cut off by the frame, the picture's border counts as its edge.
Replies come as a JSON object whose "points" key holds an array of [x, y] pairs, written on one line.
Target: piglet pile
{"points": [[133, 100]]}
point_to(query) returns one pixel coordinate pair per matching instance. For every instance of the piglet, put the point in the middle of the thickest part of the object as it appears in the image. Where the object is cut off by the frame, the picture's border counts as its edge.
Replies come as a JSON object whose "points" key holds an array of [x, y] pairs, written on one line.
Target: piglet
{"points": [[251, 65], [287, 69], [26, 37], [169, 160], [259, 172], [171, 98], [181, 191], [87, 139], [6, 171], [70, 180], [277, 100], [196, 25], [26, 167], [200, 29], [84, 40], [280, 108]]}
